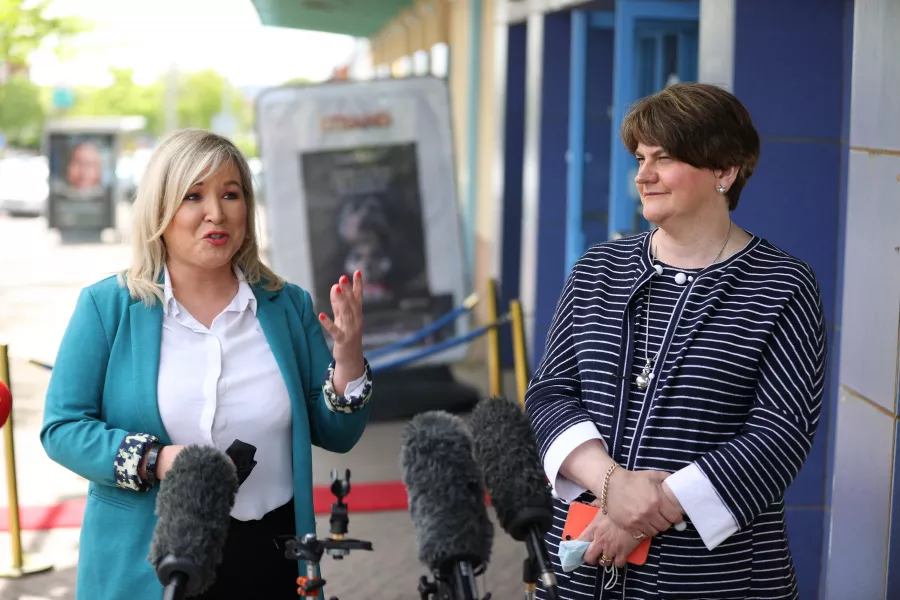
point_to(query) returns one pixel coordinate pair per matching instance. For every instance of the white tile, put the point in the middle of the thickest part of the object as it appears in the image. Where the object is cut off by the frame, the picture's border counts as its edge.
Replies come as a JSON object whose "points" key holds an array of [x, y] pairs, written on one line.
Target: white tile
{"points": [[871, 304], [861, 501], [875, 120]]}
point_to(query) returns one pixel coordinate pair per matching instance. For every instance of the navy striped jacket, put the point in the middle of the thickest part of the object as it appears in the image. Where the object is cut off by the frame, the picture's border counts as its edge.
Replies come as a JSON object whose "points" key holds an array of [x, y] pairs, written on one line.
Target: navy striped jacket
{"points": [[738, 391]]}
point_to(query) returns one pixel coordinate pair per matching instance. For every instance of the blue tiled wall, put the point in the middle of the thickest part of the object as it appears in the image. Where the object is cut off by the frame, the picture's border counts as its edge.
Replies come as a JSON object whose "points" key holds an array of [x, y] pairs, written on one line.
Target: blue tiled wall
{"points": [[789, 70], [554, 125], [514, 148], [596, 134]]}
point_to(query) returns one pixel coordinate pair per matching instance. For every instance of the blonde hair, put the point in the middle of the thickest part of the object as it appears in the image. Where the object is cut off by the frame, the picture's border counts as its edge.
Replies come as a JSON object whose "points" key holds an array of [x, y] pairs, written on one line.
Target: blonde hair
{"points": [[179, 161]]}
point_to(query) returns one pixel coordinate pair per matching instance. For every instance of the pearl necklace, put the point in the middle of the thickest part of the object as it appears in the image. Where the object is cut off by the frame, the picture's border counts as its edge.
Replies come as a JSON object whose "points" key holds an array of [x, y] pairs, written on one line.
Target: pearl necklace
{"points": [[646, 375]]}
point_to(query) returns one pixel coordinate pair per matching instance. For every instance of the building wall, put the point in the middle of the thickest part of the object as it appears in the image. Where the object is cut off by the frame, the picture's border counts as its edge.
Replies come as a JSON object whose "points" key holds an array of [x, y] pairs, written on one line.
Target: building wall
{"points": [[458, 83], [486, 131], [791, 80], [489, 121], [863, 558]]}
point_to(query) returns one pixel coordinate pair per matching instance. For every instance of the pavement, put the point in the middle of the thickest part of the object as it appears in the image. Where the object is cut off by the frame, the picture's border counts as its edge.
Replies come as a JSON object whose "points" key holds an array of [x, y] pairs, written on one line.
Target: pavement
{"points": [[40, 278]]}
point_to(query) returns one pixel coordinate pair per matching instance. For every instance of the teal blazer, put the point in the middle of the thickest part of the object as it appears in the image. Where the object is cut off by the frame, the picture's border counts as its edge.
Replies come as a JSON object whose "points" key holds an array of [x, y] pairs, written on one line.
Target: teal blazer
{"points": [[103, 386]]}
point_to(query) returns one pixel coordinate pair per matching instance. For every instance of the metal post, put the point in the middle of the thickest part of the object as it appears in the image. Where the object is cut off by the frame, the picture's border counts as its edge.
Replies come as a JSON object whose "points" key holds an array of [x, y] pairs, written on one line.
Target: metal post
{"points": [[472, 129], [493, 342], [621, 206], [171, 98], [18, 569], [575, 156], [520, 350]]}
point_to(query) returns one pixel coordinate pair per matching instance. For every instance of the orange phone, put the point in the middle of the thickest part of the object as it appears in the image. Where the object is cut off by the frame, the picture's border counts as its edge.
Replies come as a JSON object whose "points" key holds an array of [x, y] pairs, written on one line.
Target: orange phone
{"points": [[580, 516]]}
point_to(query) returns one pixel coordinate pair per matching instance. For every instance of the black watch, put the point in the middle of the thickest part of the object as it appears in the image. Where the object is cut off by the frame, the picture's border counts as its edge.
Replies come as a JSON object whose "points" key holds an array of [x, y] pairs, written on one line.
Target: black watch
{"points": [[152, 455]]}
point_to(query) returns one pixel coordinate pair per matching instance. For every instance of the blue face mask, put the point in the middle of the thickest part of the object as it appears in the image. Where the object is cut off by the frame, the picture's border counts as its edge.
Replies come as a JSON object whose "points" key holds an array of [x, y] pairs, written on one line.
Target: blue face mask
{"points": [[571, 554]]}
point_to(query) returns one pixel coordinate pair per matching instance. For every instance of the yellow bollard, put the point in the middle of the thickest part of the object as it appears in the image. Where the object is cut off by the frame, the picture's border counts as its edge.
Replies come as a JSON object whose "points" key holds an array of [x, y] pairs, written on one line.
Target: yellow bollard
{"points": [[18, 568], [520, 350], [493, 342]]}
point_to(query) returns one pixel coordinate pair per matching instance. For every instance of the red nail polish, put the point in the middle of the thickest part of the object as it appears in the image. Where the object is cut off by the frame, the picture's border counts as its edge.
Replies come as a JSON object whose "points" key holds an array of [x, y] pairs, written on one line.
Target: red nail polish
{"points": [[359, 274], [338, 290], [343, 279], [321, 316]]}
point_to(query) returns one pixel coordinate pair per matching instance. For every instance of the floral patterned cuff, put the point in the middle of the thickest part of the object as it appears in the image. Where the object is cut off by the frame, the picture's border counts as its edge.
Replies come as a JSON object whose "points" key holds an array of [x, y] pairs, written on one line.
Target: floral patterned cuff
{"points": [[128, 461], [355, 397]]}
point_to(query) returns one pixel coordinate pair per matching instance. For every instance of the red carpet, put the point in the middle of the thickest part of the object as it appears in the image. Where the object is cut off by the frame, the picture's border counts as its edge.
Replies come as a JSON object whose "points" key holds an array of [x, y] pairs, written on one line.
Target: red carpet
{"points": [[363, 497]]}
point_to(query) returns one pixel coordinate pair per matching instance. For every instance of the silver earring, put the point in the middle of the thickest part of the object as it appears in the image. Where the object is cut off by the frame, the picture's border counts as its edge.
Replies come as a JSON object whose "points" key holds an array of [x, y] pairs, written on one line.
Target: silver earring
{"points": [[721, 189]]}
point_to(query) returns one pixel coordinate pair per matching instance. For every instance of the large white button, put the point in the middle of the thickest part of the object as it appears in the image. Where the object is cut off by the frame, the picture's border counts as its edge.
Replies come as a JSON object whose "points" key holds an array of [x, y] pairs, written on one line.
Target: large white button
{"points": [[680, 278]]}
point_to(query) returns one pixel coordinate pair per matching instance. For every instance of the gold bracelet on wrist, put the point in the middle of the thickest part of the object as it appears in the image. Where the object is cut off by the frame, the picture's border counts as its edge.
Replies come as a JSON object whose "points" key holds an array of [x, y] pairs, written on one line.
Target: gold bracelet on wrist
{"points": [[605, 491]]}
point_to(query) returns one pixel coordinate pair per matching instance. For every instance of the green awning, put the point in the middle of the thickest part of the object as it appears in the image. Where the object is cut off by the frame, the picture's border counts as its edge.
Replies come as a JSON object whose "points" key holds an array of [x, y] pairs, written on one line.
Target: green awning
{"points": [[359, 18]]}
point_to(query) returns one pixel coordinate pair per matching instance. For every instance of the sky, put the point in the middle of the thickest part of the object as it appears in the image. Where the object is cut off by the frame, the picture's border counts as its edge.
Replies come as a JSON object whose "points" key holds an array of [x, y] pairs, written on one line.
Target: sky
{"points": [[150, 36]]}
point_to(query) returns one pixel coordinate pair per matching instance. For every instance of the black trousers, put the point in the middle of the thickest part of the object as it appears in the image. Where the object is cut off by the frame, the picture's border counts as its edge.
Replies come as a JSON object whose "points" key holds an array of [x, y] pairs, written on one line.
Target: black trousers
{"points": [[254, 566]]}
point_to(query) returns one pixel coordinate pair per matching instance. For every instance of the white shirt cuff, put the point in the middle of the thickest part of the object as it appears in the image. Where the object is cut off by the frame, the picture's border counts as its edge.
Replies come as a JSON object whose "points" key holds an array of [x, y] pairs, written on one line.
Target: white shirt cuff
{"points": [[354, 389], [702, 504], [561, 448]]}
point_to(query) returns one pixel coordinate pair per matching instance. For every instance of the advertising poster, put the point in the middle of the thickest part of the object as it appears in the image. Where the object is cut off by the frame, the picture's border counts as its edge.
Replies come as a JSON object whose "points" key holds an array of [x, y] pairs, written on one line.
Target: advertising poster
{"points": [[82, 180], [364, 210], [360, 175]]}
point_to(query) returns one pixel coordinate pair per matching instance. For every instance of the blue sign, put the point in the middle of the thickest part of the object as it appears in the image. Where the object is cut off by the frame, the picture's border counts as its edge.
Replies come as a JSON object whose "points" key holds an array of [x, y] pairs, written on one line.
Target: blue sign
{"points": [[63, 98]]}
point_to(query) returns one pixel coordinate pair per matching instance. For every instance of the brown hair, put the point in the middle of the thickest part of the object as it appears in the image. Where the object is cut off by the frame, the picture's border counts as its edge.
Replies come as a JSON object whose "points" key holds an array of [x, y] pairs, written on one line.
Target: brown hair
{"points": [[699, 124]]}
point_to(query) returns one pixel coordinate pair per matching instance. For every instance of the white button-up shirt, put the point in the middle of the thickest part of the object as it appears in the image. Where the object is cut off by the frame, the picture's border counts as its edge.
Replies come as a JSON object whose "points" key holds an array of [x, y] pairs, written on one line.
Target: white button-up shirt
{"points": [[220, 384]]}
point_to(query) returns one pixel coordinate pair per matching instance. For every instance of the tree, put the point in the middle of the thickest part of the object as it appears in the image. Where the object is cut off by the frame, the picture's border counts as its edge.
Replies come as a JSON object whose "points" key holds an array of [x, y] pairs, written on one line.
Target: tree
{"points": [[21, 112], [298, 81], [122, 97], [24, 27], [199, 99]]}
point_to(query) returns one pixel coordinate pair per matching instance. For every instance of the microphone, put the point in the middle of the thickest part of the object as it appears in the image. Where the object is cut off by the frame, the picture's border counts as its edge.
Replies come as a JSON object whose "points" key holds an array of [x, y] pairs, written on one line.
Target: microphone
{"points": [[5, 403], [194, 507], [506, 451], [446, 502]]}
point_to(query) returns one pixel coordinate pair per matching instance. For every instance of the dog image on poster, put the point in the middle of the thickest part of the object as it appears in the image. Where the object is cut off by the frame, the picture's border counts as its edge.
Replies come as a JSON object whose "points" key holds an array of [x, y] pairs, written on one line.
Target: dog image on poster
{"points": [[365, 213]]}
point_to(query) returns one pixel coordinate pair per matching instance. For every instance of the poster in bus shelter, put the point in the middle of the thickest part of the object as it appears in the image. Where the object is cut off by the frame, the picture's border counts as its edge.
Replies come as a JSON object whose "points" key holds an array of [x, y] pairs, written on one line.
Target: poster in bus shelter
{"points": [[82, 180], [359, 176]]}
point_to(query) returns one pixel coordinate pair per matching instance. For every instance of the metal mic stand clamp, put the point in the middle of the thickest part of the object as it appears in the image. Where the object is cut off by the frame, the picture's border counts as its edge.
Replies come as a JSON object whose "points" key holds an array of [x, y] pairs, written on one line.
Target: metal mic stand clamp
{"points": [[311, 549], [446, 587]]}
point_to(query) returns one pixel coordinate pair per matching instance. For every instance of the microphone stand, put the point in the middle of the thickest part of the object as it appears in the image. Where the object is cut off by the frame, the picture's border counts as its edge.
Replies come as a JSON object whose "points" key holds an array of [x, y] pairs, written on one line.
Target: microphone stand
{"points": [[179, 575], [311, 549], [176, 588], [458, 584], [529, 577]]}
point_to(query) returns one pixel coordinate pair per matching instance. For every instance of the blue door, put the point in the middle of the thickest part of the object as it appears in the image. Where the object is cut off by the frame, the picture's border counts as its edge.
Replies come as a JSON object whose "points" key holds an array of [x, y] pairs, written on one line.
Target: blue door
{"points": [[655, 46]]}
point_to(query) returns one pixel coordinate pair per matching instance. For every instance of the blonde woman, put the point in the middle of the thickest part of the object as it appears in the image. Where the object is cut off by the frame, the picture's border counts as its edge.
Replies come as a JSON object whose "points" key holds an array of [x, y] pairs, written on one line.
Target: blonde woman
{"points": [[200, 343]]}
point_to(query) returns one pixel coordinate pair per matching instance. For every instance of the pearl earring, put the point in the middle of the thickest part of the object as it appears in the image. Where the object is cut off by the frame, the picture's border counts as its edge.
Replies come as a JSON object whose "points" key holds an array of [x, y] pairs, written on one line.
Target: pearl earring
{"points": [[721, 189]]}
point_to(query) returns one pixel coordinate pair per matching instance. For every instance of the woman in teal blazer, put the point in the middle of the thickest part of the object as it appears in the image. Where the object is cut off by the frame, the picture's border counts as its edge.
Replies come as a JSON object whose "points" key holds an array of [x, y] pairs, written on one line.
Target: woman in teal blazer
{"points": [[200, 343]]}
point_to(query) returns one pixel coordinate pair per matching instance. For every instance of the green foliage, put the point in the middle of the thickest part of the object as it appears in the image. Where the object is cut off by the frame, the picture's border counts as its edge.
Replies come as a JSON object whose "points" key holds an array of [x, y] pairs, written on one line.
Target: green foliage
{"points": [[122, 97], [21, 112], [199, 98], [246, 143], [24, 27], [298, 81]]}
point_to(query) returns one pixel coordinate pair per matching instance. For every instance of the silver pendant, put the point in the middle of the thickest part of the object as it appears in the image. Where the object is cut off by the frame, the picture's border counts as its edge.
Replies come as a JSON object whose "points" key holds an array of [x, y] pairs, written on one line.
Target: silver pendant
{"points": [[643, 380]]}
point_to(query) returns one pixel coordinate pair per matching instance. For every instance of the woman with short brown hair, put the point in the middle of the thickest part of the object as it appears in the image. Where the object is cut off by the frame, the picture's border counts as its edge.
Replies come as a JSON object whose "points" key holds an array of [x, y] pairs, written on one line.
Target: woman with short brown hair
{"points": [[682, 379]]}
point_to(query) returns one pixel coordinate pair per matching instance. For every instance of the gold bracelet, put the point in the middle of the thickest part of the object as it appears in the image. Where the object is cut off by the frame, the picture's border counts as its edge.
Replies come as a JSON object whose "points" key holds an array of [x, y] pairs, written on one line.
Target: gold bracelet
{"points": [[605, 491]]}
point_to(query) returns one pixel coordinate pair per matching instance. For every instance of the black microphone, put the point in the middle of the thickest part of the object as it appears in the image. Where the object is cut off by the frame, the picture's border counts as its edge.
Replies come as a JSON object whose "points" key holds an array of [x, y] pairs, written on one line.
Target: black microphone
{"points": [[446, 502], [194, 508], [506, 451]]}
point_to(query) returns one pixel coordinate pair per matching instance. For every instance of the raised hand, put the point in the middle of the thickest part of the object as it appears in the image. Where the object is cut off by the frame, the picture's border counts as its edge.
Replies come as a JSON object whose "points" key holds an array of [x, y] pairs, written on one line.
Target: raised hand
{"points": [[346, 327]]}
